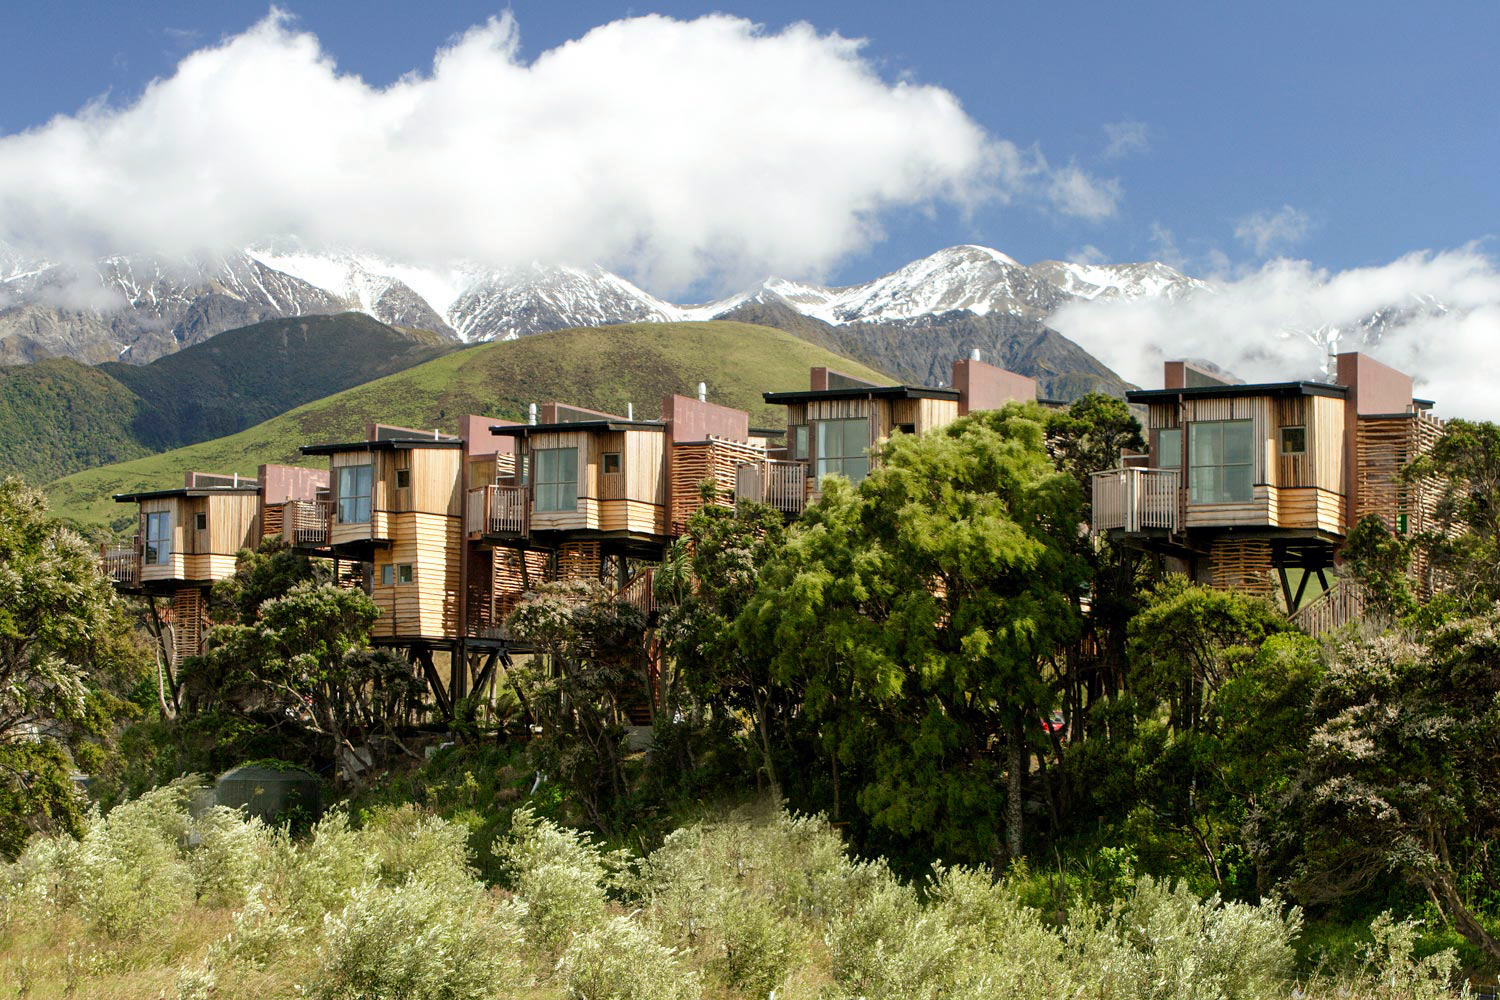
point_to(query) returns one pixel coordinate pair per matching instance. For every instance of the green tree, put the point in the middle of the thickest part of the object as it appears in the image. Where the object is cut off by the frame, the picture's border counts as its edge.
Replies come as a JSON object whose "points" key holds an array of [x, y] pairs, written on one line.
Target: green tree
{"points": [[706, 581], [1400, 776], [589, 665], [920, 614], [64, 656]]}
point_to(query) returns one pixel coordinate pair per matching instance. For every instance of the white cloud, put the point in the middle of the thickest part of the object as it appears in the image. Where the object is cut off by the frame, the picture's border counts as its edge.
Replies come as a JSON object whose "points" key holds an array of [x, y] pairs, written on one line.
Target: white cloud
{"points": [[1265, 233], [1281, 322], [1089, 254], [668, 150], [1074, 192], [1125, 138]]}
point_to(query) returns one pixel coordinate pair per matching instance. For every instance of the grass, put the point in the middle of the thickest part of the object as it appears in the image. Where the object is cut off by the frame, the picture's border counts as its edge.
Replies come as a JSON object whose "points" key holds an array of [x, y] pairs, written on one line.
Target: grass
{"points": [[603, 368]]}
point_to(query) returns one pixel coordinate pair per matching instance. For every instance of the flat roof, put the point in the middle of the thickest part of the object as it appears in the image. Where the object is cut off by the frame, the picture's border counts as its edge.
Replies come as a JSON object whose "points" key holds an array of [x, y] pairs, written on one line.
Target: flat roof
{"points": [[1235, 391], [384, 444], [250, 488], [876, 392], [522, 430]]}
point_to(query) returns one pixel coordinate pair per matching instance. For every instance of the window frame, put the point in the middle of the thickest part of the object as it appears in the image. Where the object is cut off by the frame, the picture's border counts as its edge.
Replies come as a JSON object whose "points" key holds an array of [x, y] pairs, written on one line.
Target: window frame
{"points": [[843, 463], [160, 553], [406, 574], [1282, 436], [619, 463], [351, 501], [200, 520], [388, 574], [558, 493], [1220, 495], [403, 479], [799, 443]]}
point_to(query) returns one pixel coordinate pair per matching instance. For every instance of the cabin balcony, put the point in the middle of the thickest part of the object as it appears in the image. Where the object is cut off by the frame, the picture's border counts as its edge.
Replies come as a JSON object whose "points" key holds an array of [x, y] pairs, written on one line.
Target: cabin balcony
{"points": [[122, 563], [1136, 500], [306, 523], [778, 484], [497, 510]]}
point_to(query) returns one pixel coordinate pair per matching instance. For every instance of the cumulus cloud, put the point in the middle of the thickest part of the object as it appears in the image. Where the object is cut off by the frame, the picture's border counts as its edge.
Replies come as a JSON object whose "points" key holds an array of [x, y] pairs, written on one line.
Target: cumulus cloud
{"points": [[669, 150], [1074, 192], [1282, 322], [1126, 138], [1271, 232]]}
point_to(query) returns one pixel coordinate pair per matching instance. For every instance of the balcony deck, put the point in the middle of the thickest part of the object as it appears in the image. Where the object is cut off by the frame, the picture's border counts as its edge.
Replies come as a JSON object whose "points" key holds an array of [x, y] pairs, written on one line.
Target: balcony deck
{"points": [[775, 483], [1136, 500]]}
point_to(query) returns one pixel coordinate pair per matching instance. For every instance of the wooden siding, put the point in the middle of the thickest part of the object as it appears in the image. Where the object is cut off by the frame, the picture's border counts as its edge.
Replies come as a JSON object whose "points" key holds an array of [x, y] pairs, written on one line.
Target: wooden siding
{"points": [[1310, 507], [208, 553], [428, 606], [1261, 511], [1385, 446], [633, 500]]}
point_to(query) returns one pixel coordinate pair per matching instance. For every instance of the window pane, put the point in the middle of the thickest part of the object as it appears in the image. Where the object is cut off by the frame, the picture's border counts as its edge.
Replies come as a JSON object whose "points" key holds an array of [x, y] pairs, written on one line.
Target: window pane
{"points": [[1169, 448], [1293, 440], [1202, 480], [1237, 483], [1237, 442], [856, 469], [1203, 444], [557, 479]]}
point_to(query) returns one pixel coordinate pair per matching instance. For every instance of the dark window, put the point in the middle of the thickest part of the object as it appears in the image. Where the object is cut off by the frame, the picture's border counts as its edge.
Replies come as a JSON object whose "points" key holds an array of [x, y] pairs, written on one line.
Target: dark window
{"points": [[200, 522], [1293, 440], [404, 573], [843, 448], [1220, 453], [907, 428], [387, 575], [797, 442], [557, 479], [354, 494], [403, 478], [611, 462], [158, 537]]}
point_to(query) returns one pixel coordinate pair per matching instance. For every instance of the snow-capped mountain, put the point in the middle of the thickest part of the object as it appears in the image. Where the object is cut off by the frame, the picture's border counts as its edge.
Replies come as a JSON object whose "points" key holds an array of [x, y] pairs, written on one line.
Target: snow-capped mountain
{"points": [[141, 307]]}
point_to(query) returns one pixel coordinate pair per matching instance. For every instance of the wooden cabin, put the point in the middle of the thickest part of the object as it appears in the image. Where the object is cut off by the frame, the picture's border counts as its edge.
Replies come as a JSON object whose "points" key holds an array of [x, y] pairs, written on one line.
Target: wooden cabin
{"points": [[833, 425], [186, 539], [295, 507], [1248, 486], [395, 505]]}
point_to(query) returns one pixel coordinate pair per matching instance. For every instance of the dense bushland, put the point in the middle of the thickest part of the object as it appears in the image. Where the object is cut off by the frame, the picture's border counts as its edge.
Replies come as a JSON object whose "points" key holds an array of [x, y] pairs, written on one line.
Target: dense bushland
{"points": [[160, 898]]}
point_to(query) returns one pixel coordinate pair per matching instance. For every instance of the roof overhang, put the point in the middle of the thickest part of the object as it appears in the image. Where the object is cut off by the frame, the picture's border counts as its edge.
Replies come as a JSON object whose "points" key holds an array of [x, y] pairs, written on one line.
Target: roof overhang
{"points": [[525, 430], [1238, 391], [192, 491], [872, 392], [397, 444]]}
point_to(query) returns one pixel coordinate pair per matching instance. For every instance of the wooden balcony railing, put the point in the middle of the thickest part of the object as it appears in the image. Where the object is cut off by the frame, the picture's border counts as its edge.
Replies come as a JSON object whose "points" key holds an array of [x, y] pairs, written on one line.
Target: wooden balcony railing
{"points": [[640, 592], [306, 522], [778, 484], [1137, 499], [496, 510], [122, 563]]}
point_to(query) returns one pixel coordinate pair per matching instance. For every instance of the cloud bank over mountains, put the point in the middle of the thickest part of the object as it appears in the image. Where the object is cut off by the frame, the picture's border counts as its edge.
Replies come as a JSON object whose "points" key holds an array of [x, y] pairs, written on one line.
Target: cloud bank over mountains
{"points": [[1435, 315], [672, 151]]}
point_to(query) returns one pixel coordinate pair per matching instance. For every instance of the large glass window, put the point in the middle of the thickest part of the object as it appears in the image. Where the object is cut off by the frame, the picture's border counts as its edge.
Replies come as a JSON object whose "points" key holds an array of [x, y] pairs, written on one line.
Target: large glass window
{"points": [[1169, 448], [158, 537], [556, 478], [797, 442], [354, 494], [1220, 453], [843, 447]]}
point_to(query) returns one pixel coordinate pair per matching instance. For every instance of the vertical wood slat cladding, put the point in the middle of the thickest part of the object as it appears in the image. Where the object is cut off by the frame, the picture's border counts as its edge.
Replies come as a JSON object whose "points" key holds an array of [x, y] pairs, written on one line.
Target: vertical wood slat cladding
{"points": [[1326, 443], [515, 572], [428, 606], [187, 612]]}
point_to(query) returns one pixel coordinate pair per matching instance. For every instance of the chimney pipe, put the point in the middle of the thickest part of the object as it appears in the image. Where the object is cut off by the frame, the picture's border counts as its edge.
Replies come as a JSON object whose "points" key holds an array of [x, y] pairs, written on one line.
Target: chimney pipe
{"points": [[702, 392], [533, 413], [974, 354], [629, 411]]}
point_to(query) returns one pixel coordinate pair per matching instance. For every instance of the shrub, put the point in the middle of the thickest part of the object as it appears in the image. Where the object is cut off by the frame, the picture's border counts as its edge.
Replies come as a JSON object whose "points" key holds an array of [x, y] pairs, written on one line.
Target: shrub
{"points": [[409, 843], [318, 876], [230, 857], [557, 873], [416, 941], [619, 960], [134, 875]]}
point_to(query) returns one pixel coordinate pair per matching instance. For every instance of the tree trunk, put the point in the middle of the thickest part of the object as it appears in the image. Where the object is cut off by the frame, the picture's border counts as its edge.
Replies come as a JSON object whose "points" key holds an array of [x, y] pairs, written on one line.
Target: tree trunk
{"points": [[762, 709], [1013, 811]]}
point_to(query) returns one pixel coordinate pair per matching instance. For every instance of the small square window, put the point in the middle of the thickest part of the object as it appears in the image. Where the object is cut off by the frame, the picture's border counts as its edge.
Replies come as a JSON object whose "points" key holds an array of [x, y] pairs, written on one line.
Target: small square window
{"points": [[403, 478], [907, 428], [404, 573], [1293, 440], [611, 462], [387, 575], [200, 522]]}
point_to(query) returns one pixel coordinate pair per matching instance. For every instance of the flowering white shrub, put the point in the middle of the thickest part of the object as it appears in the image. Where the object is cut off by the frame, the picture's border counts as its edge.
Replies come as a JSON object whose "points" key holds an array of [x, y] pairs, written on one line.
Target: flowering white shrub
{"points": [[618, 959], [417, 941], [230, 857], [559, 875], [411, 844]]}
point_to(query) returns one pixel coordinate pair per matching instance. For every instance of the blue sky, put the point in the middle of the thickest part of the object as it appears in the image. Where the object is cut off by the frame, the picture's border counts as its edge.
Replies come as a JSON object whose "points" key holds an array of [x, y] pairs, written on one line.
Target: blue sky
{"points": [[1347, 134]]}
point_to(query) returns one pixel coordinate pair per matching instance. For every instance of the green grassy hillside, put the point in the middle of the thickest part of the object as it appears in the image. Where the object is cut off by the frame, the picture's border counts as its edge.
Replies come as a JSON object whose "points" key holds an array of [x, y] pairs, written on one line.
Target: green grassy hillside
{"points": [[59, 416], [603, 368]]}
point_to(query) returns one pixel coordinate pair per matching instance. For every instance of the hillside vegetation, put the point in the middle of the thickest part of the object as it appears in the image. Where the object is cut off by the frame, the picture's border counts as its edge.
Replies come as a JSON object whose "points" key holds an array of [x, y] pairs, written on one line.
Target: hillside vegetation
{"points": [[603, 368], [59, 416]]}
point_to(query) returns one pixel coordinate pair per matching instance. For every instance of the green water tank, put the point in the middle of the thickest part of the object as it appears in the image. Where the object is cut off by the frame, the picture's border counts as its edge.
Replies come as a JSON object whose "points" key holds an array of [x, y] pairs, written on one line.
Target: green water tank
{"points": [[271, 790]]}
